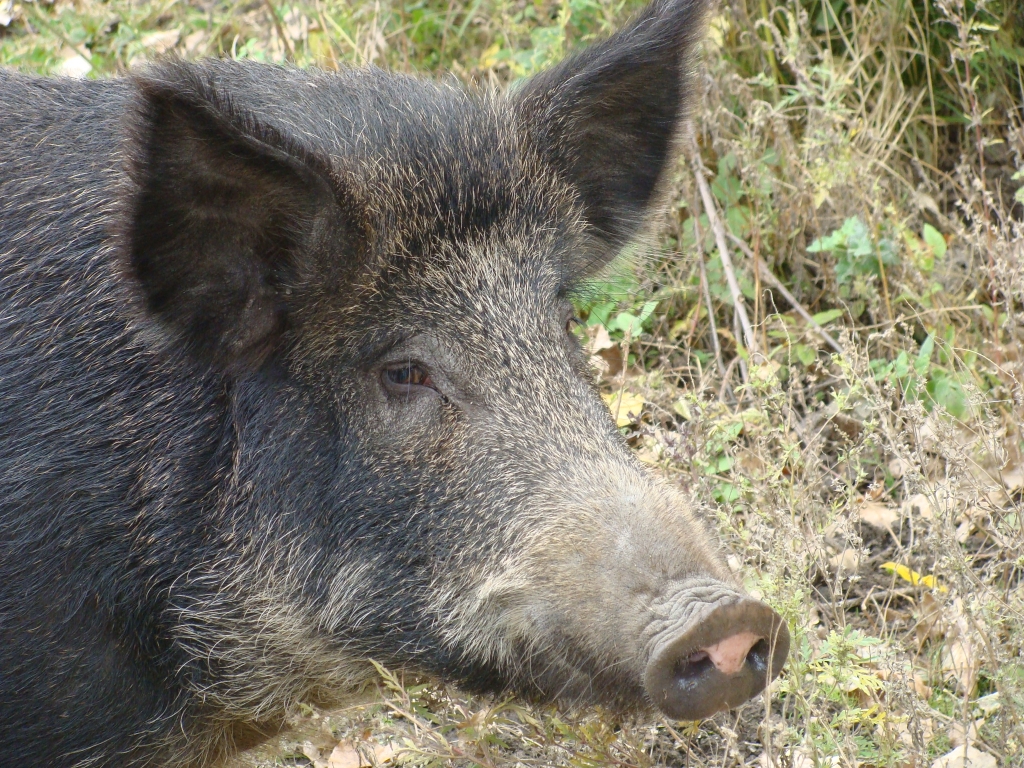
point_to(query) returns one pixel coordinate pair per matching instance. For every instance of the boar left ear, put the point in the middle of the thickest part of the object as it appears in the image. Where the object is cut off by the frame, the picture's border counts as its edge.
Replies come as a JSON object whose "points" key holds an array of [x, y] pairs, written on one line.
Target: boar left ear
{"points": [[223, 218], [608, 116]]}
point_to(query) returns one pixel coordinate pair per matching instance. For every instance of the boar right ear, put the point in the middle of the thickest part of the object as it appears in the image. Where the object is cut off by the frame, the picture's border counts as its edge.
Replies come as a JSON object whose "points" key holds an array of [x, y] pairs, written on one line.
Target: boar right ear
{"points": [[607, 117], [222, 215]]}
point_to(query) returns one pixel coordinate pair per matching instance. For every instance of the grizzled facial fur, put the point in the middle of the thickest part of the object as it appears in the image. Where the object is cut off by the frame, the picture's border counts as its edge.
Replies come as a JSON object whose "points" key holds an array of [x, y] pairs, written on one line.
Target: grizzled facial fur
{"points": [[305, 351]]}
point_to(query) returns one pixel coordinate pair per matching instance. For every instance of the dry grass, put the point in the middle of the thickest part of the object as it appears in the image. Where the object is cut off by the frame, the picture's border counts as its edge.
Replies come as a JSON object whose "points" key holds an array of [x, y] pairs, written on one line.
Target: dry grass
{"points": [[874, 497]]}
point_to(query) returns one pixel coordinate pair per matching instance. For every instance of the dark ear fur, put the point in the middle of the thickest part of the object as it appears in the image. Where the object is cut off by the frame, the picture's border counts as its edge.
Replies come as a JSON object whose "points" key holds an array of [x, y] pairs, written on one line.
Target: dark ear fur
{"points": [[220, 216], [607, 117]]}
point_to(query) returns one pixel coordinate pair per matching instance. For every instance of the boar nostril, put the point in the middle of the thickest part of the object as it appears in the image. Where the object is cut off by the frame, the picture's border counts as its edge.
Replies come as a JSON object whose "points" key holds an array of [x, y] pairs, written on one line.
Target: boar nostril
{"points": [[693, 658], [691, 669], [741, 646], [758, 656]]}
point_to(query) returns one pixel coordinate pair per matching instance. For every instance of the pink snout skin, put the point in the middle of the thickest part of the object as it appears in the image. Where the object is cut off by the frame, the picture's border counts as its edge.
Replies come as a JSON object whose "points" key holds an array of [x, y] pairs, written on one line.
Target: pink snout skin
{"points": [[729, 655]]}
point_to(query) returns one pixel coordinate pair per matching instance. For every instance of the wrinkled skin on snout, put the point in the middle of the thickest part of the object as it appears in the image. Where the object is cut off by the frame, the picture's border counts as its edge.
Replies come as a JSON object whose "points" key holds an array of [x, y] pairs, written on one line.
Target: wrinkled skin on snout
{"points": [[290, 383]]}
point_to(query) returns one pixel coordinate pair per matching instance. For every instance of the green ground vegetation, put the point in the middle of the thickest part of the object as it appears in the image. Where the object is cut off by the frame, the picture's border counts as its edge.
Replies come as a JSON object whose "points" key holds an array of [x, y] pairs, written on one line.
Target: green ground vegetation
{"points": [[823, 340]]}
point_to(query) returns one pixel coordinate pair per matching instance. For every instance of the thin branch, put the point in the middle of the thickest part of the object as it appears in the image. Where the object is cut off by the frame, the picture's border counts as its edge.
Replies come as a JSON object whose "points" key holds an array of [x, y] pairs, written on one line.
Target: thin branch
{"points": [[737, 331], [327, 37], [706, 290], [749, 339], [771, 279], [289, 46], [81, 50]]}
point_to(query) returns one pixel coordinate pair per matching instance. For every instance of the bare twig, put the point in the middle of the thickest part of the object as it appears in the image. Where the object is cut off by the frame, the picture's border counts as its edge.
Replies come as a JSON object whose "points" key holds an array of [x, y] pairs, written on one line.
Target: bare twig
{"points": [[771, 279], [737, 332], [289, 46], [705, 289], [749, 339], [327, 37], [81, 50]]}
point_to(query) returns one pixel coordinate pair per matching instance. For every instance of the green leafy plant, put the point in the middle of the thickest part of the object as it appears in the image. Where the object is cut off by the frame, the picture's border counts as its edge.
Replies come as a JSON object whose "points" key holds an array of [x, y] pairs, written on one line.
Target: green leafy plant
{"points": [[856, 252], [617, 302], [926, 377]]}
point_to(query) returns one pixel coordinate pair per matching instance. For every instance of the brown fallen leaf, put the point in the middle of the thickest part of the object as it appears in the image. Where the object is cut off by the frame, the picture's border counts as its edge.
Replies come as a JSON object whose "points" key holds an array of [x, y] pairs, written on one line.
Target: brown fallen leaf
{"points": [[897, 468], [902, 728], [313, 754], [966, 757], [73, 65], [929, 620], [846, 562], [918, 505], [921, 688], [345, 755], [605, 355], [195, 41], [958, 735], [878, 515], [798, 759], [600, 340], [384, 753], [960, 660], [296, 25], [161, 42], [875, 491], [964, 531], [1013, 479], [989, 704]]}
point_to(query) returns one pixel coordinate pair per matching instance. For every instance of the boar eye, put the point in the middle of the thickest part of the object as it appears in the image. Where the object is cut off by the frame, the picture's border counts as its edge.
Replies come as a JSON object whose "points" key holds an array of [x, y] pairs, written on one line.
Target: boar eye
{"points": [[400, 379]]}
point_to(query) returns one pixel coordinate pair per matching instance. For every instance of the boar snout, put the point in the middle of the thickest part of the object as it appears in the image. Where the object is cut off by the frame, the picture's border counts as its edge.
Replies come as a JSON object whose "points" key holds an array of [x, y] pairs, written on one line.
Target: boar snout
{"points": [[712, 648], [631, 604]]}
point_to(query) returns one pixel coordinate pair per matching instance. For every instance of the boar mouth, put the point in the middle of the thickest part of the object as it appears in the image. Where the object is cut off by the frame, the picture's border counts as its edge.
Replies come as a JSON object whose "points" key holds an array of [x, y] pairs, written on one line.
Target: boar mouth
{"points": [[711, 648]]}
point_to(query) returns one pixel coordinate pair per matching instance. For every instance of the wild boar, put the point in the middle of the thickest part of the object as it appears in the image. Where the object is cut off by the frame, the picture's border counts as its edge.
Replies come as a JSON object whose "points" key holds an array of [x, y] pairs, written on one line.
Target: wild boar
{"points": [[288, 382]]}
